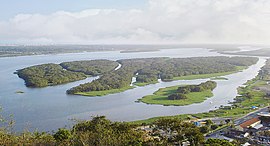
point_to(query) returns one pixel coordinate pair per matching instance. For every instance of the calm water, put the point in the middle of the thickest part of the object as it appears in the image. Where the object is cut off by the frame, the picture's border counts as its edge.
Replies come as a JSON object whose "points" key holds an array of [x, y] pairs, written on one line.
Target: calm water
{"points": [[50, 108]]}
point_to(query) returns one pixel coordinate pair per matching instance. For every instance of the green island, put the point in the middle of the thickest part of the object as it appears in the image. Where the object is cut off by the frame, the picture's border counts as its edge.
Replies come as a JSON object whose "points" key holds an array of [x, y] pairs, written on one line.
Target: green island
{"points": [[183, 95], [55, 74], [151, 69], [48, 75], [255, 93]]}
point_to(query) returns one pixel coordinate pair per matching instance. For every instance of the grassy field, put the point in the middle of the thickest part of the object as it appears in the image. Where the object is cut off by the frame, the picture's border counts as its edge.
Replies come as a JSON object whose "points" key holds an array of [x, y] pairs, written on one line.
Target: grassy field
{"points": [[161, 97], [105, 92], [241, 107]]}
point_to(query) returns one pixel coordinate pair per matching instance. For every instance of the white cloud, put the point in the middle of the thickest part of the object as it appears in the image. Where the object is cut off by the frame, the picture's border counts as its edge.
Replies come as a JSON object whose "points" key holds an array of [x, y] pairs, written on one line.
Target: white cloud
{"points": [[172, 21]]}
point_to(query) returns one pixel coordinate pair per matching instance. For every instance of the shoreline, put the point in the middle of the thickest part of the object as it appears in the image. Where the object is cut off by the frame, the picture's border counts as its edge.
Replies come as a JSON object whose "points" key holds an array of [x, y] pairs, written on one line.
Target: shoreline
{"points": [[189, 77], [234, 110]]}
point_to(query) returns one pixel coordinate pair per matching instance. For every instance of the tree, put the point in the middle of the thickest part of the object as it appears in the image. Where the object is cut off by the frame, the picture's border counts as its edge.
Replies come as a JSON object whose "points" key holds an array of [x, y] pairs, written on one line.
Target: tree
{"points": [[228, 121], [248, 95], [204, 129], [62, 134], [209, 122], [217, 142], [177, 96], [214, 127]]}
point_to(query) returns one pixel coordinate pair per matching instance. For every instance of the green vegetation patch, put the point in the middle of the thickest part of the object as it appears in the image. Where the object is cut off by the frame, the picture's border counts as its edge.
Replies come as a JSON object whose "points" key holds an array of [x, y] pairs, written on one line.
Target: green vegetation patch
{"points": [[212, 75], [104, 92], [161, 97], [242, 105], [90, 67], [47, 75], [151, 69], [144, 83]]}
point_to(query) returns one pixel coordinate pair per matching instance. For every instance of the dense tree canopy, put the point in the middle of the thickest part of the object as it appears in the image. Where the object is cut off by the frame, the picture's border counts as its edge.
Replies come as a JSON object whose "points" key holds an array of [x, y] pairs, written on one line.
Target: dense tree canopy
{"points": [[102, 132], [177, 96], [183, 90], [54, 74], [48, 74], [150, 69], [90, 67], [209, 85]]}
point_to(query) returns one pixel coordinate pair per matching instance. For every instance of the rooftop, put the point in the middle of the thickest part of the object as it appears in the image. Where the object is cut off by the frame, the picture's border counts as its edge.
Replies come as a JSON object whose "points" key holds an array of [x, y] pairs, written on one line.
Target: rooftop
{"points": [[249, 122]]}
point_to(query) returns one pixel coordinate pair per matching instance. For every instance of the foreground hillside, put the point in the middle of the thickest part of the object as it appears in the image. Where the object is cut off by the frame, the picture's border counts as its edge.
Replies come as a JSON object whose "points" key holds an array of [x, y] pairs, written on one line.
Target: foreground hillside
{"points": [[102, 132]]}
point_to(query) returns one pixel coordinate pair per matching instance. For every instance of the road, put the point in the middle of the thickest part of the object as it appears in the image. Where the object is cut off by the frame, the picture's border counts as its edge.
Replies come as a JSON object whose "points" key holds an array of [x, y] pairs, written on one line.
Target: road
{"points": [[250, 116]]}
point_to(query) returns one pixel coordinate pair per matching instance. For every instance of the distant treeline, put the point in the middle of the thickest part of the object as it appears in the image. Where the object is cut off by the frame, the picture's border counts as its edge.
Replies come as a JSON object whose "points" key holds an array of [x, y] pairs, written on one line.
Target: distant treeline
{"points": [[150, 69], [183, 90], [8, 51]]}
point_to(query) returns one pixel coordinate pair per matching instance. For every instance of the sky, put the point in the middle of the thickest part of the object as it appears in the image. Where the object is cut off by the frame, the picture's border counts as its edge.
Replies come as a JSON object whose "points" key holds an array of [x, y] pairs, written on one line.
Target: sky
{"points": [[134, 22]]}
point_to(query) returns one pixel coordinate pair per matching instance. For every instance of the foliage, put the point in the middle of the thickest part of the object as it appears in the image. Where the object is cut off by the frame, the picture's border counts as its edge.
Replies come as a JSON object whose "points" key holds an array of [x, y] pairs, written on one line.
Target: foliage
{"points": [[102, 132], [209, 85], [214, 127], [204, 129], [161, 97], [265, 133], [177, 131], [150, 69], [47, 74], [240, 107], [177, 96], [183, 90], [62, 134], [91, 67], [218, 142]]}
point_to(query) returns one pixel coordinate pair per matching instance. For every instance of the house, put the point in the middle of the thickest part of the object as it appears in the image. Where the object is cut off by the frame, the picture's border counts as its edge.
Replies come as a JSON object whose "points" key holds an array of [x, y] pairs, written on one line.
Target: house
{"points": [[249, 124]]}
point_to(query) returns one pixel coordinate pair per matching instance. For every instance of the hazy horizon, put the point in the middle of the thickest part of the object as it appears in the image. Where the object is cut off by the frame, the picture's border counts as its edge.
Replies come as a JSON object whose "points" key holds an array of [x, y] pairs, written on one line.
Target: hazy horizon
{"points": [[129, 22]]}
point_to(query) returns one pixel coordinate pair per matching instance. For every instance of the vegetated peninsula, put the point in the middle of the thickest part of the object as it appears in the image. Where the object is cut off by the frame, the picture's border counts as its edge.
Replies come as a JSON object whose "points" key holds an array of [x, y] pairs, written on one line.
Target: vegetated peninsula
{"points": [[47, 75], [151, 69], [183, 95], [54, 74]]}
